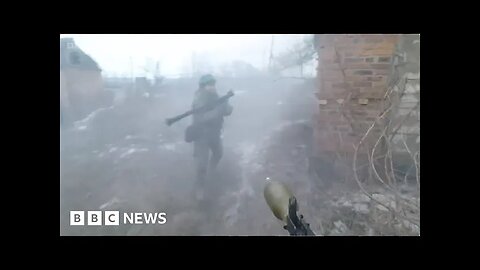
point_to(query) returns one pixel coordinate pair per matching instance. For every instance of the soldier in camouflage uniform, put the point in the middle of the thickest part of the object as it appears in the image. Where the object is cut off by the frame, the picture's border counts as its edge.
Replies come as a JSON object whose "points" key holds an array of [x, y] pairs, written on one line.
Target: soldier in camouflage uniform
{"points": [[210, 127]]}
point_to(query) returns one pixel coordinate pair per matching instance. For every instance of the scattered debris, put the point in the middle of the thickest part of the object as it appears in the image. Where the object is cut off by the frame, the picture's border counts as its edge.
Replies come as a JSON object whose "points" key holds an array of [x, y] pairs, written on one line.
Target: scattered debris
{"points": [[133, 150], [339, 228], [361, 207]]}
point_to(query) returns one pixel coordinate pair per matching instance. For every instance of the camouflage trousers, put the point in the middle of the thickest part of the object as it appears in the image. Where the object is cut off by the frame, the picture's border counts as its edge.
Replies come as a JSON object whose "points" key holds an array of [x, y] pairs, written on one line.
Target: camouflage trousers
{"points": [[207, 152]]}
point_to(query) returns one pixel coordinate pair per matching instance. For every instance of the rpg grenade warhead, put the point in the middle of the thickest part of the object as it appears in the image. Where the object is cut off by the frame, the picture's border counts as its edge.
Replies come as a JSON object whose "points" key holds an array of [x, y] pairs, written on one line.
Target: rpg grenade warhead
{"points": [[284, 206], [277, 196]]}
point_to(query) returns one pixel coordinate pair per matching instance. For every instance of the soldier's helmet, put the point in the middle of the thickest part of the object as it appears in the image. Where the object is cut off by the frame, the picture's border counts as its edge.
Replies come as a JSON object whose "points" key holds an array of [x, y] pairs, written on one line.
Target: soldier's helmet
{"points": [[207, 79]]}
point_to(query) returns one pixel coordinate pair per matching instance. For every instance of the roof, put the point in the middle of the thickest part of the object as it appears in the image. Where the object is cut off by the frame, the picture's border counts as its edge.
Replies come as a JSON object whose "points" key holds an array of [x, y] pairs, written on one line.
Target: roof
{"points": [[72, 56]]}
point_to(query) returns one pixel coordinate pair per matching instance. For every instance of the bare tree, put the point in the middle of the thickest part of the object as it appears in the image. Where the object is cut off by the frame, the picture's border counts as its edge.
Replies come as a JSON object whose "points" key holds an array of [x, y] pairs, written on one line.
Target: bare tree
{"points": [[300, 54]]}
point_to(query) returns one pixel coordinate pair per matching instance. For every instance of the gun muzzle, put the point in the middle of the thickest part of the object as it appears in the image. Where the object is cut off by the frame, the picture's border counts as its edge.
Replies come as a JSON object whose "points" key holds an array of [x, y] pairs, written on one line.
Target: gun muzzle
{"points": [[277, 196]]}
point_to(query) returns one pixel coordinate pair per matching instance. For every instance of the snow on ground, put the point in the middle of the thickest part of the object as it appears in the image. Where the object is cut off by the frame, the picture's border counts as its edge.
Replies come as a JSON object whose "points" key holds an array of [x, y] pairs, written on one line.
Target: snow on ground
{"points": [[110, 204], [83, 124], [132, 151], [169, 146], [148, 166]]}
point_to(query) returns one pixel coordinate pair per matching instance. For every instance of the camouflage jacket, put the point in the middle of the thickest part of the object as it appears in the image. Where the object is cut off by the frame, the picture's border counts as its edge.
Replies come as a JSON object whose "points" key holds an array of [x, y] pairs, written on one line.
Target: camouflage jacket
{"points": [[211, 121]]}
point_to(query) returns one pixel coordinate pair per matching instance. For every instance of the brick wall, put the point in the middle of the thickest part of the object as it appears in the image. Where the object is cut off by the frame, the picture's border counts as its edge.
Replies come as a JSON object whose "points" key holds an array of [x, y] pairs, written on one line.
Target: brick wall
{"points": [[81, 92], [406, 115], [353, 72]]}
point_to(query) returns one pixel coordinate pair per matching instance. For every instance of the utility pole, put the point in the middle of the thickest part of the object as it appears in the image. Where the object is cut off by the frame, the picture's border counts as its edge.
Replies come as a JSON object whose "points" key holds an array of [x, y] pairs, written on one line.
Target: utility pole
{"points": [[270, 60], [132, 80]]}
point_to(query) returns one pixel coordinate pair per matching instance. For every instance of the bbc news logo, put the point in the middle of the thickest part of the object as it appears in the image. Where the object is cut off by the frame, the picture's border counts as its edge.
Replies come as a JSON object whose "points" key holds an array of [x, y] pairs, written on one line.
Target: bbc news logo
{"points": [[112, 218]]}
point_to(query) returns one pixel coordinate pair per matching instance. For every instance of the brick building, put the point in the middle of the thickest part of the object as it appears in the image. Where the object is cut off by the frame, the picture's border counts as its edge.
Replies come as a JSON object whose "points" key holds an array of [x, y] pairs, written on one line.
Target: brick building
{"points": [[81, 86], [353, 74]]}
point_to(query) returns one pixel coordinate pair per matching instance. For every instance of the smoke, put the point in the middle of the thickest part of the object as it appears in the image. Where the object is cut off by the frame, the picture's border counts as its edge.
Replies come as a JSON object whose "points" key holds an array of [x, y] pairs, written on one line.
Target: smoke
{"points": [[124, 157]]}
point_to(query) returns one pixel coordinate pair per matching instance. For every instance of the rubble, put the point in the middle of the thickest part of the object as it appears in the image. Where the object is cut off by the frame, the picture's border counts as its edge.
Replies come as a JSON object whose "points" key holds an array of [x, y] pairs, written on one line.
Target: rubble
{"points": [[367, 217]]}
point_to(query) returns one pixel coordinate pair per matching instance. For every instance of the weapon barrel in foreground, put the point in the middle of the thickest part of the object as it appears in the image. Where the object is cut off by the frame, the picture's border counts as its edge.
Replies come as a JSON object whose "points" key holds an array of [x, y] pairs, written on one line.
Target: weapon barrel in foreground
{"points": [[284, 207]]}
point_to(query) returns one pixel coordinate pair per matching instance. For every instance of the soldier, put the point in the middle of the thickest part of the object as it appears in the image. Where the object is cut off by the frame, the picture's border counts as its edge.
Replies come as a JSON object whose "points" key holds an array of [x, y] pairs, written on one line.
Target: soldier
{"points": [[210, 126]]}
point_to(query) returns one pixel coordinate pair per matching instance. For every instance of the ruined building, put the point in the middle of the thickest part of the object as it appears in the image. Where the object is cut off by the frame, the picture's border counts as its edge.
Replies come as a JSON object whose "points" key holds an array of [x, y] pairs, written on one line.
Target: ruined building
{"points": [[81, 86], [359, 78]]}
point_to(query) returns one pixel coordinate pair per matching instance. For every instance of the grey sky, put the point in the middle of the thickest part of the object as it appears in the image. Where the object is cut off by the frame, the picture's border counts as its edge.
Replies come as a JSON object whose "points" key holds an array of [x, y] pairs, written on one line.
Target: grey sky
{"points": [[113, 52]]}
